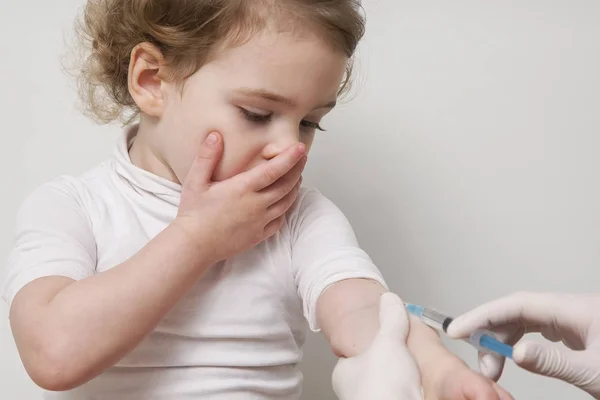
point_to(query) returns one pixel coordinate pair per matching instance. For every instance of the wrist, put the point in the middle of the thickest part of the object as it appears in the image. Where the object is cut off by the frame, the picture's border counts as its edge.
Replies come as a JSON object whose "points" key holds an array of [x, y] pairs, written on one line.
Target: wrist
{"points": [[192, 241]]}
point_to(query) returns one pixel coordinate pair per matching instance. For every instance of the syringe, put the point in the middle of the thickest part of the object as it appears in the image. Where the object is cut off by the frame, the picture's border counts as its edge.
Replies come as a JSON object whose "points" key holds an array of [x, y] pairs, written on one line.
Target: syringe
{"points": [[482, 340]]}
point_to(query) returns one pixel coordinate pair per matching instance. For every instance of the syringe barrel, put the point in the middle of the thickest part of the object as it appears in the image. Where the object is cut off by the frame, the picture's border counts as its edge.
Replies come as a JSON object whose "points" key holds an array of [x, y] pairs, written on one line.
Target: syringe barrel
{"points": [[436, 319], [475, 340]]}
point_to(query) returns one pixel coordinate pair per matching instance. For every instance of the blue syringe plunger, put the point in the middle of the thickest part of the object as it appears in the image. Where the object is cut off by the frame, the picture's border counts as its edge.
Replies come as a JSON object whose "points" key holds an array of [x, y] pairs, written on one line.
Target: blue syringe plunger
{"points": [[485, 342]]}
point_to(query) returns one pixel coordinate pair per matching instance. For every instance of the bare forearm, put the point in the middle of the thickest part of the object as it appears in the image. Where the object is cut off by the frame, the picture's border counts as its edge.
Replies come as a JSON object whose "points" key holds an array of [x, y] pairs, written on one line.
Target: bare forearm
{"points": [[428, 351], [349, 317], [96, 321]]}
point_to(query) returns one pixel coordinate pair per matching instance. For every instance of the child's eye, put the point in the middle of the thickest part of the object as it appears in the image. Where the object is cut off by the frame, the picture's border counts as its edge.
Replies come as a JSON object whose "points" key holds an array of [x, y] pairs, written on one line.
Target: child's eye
{"points": [[255, 117], [311, 125]]}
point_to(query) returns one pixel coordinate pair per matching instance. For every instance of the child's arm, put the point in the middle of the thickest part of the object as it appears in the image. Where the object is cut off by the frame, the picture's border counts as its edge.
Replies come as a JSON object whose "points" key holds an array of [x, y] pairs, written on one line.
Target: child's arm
{"points": [[340, 288], [348, 314], [69, 330], [374, 373]]}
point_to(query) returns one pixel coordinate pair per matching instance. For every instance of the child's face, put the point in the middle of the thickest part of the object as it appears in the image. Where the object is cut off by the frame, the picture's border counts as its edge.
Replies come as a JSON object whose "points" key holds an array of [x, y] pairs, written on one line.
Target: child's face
{"points": [[262, 97]]}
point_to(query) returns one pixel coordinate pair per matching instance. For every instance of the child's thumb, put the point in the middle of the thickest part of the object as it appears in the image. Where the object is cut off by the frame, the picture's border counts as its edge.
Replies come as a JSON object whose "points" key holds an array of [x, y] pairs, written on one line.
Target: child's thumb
{"points": [[206, 160], [393, 320]]}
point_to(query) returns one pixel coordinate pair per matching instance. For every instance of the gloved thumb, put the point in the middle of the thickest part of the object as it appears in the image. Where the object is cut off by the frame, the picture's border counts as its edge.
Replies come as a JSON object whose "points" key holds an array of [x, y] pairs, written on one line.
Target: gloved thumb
{"points": [[393, 320], [550, 360], [205, 162]]}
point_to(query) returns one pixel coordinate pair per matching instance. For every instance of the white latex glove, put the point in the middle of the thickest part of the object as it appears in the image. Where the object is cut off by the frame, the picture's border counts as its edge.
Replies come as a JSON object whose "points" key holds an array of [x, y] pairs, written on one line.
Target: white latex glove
{"points": [[572, 319], [386, 370]]}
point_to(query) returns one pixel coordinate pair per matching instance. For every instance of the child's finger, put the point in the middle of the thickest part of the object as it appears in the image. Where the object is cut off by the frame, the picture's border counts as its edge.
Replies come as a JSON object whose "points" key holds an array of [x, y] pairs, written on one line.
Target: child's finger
{"points": [[268, 173], [282, 206], [285, 185], [205, 162]]}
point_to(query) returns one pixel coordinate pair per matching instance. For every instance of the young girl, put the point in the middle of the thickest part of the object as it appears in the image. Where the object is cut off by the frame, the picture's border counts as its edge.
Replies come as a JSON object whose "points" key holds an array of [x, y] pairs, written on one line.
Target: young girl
{"points": [[190, 264]]}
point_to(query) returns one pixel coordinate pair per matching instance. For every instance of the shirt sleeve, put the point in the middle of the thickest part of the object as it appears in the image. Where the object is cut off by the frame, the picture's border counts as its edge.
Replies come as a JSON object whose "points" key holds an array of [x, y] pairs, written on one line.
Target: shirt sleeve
{"points": [[53, 238], [325, 250]]}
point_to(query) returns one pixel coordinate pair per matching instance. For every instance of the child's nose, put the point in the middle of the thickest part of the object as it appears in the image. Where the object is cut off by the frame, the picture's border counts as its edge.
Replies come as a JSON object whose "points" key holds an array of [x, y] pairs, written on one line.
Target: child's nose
{"points": [[279, 144]]}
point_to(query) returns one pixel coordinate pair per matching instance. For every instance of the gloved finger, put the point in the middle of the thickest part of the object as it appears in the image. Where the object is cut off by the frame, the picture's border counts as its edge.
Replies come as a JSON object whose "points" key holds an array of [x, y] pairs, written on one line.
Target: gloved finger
{"points": [[550, 360], [387, 392], [509, 334], [393, 320], [574, 340], [492, 365], [524, 309], [343, 379], [551, 333], [406, 370], [570, 336]]}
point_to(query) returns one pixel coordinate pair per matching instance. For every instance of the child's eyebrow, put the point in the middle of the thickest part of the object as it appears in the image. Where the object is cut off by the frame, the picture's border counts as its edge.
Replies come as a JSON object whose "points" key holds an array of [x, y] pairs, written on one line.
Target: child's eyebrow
{"points": [[265, 94]]}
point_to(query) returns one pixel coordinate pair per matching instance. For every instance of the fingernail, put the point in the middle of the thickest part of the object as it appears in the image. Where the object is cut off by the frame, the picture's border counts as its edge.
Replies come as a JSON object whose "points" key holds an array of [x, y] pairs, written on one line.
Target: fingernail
{"points": [[211, 139], [301, 148]]}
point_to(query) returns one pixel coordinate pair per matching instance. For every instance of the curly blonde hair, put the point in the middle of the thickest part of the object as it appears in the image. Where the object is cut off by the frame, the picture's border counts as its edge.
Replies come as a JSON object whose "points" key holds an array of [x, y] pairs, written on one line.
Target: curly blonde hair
{"points": [[186, 31]]}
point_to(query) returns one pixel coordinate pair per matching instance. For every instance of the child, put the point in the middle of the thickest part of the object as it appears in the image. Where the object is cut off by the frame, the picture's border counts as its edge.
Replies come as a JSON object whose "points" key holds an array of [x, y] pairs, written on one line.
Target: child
{"points": [[190, 264]]}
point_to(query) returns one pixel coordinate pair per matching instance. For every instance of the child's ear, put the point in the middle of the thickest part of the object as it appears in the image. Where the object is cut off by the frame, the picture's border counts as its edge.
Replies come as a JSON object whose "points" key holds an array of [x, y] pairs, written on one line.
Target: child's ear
{"points": [[144, 78]]}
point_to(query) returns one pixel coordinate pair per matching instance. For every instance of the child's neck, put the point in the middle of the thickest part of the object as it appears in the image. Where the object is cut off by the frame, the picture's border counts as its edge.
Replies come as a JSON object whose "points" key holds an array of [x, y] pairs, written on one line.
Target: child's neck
{"points": [[143, 154]]}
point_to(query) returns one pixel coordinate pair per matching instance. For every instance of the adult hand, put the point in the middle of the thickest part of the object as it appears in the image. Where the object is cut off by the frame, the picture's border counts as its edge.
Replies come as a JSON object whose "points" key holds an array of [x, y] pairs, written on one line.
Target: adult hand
{"points": [[573, 320], [386, 370]]}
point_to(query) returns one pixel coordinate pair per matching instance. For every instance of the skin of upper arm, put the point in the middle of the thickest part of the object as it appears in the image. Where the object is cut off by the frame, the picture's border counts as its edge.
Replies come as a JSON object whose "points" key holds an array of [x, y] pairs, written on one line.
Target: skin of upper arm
{"points": [[33, 336]]}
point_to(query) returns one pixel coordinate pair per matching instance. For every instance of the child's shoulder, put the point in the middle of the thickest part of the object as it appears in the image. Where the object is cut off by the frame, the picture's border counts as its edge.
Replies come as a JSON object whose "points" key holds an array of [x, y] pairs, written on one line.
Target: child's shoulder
{"points": [[66, 191], [312, 206], [76, 184], [309, 198]]}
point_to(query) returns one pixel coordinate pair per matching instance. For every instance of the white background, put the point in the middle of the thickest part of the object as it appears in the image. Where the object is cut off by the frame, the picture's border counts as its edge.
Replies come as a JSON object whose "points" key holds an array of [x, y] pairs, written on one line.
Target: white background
{"points": [[468, 155]]}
